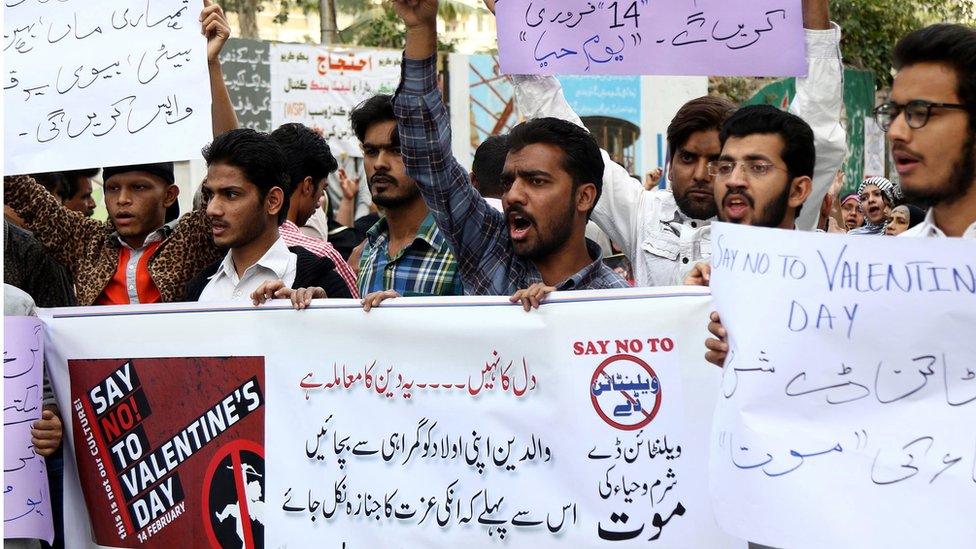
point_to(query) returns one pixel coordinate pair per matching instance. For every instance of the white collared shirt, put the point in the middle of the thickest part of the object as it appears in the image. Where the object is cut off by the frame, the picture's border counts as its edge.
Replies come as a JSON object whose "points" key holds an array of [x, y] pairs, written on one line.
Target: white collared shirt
{"points": [[662, 243], [135, 255], [277, 263], [928, 229]]}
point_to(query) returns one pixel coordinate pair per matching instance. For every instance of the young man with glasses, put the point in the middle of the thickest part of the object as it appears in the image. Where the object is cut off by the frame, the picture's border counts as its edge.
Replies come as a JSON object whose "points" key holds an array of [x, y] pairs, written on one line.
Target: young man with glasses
{"points": [[930, 119]]}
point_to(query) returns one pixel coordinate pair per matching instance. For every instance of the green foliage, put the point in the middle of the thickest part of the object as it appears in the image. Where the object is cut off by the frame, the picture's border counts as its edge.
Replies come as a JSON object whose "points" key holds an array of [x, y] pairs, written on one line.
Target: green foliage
{"points": [[872, 27]]}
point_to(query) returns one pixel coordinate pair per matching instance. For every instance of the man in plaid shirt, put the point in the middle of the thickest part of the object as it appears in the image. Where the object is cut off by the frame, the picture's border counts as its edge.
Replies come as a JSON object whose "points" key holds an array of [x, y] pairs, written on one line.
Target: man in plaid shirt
{"points": [[553, 171], [310, 162]]}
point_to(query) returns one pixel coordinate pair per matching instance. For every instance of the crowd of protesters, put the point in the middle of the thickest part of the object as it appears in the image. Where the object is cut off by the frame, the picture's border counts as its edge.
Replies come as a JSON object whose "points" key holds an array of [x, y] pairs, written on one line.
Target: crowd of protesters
{"points": [[540, 211]]}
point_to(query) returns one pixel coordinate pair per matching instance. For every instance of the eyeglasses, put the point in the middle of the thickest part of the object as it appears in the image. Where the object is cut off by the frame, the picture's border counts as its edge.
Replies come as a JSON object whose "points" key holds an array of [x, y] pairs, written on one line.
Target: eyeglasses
{"points": [[917, 112], [754, 169]]}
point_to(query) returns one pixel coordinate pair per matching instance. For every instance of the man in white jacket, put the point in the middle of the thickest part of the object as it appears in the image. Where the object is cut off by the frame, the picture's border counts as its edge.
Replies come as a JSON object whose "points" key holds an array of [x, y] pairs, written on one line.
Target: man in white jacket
{"points": [[666, 232]]}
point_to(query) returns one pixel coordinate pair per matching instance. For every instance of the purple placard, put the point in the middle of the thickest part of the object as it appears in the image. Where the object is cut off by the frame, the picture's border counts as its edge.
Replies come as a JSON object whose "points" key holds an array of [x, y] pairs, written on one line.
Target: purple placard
{"points": [[26, 497], [673, 37]]}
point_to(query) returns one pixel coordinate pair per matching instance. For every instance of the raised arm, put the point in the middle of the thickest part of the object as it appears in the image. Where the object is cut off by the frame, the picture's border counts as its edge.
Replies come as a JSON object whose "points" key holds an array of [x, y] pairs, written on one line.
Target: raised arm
{"points": [[217, 31], [819, 99], [65, 234], [470, 225]]}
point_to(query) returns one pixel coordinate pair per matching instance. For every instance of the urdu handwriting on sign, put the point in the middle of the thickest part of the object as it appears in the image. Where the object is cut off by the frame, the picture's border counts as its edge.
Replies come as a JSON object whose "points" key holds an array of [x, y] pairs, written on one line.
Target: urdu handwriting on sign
{"points": [[893, 467], [22, 39], [631, 453], [31, 505], [747, 459], [493, 377], [658, 522], [730, 378], [478, 509], [892, 383], [102, 123], [734, 36]]}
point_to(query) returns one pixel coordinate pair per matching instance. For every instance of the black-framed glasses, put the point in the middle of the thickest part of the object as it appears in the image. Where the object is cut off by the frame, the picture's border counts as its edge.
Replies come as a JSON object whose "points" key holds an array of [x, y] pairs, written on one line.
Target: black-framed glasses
{"points": [[722, 169], [917, 112]]}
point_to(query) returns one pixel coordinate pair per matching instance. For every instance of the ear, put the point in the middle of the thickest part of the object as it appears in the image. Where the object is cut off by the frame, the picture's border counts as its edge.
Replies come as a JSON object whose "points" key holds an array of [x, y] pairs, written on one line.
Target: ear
{"points": [[800, 189], [274, 200], [585, 197], [307, 186], [172, 193]]}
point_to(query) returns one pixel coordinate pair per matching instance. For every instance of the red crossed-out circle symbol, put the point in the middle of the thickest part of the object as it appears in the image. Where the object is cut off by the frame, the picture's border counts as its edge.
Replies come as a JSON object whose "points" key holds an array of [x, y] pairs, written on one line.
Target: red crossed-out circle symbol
{"points": [[625, 392]]}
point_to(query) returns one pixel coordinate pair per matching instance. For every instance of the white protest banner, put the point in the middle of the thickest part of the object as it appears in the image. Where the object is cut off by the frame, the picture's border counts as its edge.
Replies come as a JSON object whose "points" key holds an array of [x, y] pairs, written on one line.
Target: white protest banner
{"points": [[848, 408], [691, 37], [424, 423], [92, 84], [319, 87], [26, 497]]}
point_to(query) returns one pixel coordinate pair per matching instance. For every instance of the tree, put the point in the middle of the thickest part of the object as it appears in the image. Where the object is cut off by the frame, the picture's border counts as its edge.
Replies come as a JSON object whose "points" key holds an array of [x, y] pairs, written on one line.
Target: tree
{"points": [[872, 27], [247, 15]]}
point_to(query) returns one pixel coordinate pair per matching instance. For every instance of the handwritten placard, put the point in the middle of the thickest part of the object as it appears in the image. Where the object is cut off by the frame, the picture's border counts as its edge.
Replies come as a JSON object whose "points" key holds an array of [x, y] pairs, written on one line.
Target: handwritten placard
{"points": [[319, 87], [847, 415], [686, 37], [90, 84], [246, 65], [26, 498]]}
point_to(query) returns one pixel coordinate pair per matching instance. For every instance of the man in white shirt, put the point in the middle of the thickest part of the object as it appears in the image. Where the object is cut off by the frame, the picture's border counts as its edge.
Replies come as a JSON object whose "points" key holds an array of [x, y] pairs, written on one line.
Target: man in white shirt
{"points": [[665, 232], [930, 118], [247, 195]]}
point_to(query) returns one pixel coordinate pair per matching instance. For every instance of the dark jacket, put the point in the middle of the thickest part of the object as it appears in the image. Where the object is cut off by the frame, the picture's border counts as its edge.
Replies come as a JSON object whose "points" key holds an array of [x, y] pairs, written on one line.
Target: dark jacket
{"points": [[311, 270]]}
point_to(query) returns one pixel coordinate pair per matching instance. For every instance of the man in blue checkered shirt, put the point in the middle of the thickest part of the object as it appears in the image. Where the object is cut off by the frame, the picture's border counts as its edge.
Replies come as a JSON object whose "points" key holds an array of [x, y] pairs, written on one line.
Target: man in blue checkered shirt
{"points": [[553, 171]]}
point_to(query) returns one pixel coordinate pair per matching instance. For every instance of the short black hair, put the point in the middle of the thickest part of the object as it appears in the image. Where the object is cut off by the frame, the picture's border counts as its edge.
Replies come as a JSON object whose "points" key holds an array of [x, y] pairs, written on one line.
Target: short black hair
{"points": [[73, 179], [581, 154], [258, 156], [306, 152], [378, 108], [489, 161], [950, 44], [54, 182], [799, 152], [698, 115]]}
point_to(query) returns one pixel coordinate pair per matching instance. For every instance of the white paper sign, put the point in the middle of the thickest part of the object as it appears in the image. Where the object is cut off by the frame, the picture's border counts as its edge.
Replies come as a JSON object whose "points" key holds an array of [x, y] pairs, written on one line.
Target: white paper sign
{"points": [[319, 87], [438, 422], [114, 82], [848, 408]]}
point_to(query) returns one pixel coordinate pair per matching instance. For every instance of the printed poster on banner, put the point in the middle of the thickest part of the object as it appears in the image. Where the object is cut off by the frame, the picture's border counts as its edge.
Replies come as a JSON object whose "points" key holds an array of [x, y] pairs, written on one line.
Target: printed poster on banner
{"points": [[319, 87], [171, 449], [92, 84], [583, 424], [700, 37]]}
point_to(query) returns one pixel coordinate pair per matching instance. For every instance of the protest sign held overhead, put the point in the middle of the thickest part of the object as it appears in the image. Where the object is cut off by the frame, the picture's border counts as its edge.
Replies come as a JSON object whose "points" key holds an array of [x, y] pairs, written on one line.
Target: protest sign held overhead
{"points": [[702, 37], [319, 87], [849, 389], [91, 84]]}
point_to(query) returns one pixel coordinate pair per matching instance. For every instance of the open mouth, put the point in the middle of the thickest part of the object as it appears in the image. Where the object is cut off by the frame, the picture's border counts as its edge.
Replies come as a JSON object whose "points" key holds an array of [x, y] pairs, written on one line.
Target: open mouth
{"points": [[518, 226], [904, 162], [219, 229], [736, 206]]}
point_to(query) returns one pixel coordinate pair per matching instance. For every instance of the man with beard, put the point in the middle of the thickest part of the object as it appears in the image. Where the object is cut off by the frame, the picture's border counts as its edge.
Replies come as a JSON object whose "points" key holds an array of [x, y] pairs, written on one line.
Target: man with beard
{"points": [[246, 192], [405, 252], [762, 178], [666, 231], [877, 198], [930, 119], [553, 173]]}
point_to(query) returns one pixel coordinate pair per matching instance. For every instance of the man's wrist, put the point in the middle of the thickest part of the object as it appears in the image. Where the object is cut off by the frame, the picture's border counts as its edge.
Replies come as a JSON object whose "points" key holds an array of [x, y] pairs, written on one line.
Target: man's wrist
{"points": [[421, 41]]}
